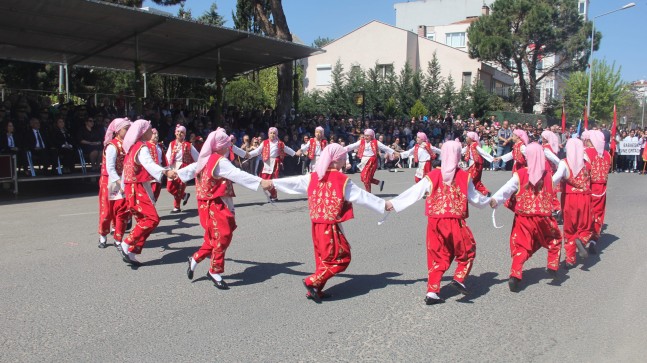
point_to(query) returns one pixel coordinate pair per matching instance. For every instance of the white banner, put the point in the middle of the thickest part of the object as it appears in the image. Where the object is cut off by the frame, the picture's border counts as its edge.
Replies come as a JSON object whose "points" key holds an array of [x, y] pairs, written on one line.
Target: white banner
{"points": [[629, 148]]}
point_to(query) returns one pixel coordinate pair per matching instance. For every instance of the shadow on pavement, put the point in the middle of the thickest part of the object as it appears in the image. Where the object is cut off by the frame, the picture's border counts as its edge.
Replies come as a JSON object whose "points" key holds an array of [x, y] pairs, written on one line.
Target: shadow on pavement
{"points": [[261, 271], [476, 285], [604, 242], [362, 284]]}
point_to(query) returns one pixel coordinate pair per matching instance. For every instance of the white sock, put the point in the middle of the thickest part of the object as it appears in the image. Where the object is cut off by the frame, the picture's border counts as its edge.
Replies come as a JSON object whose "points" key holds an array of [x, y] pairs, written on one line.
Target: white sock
{"points": [[460, 283], [216, 276], [125, 246], [132, 256], [102, 239], [433, 295], [117, 243], [193, 264]]}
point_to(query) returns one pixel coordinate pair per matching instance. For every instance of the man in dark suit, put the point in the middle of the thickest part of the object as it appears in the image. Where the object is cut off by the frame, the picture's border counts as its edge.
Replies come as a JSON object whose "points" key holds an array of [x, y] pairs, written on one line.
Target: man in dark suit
{"points": [[607, 136], [42, 150]]}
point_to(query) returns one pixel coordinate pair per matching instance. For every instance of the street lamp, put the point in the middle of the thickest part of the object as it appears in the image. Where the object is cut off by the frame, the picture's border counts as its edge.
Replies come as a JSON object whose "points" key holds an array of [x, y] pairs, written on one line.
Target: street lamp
{"points": [[588, 99]]}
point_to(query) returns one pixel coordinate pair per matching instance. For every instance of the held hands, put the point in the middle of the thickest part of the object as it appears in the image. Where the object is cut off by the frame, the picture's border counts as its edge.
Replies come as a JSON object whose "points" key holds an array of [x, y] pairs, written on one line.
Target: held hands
{"points": [[388, 206], [171, 174], [298, 153], [267, 184], [493, 203]]}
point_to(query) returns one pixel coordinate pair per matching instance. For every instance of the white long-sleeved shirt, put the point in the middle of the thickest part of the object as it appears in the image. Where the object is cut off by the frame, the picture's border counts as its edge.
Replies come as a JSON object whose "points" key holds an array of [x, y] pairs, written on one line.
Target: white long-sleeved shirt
{"points": [[561, 172], [423, 155], [306, 146], [146, 160], [224, 169], [237, 151], [274, 150], [481, 152], [549, 155], [354, 194], [418, 191], [368, 151], [506, 191], [111, 160], [178, 156]]}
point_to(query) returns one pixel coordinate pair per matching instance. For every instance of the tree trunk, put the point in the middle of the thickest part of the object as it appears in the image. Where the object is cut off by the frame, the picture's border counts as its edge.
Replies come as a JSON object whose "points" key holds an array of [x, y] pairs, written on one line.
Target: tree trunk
{"points": [[278, 29]]}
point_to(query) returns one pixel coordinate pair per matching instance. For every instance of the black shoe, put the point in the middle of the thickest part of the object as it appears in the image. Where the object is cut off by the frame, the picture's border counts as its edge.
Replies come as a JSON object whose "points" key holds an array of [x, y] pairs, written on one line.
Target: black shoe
{"points": [[312, 292], [102, 244], [433, 300], [189, 272], [592, 248], [458, 287], [176, 210], [185, 200], [581, 250], [569, 266], [513, 284], [381, 185], [129, 225], [322, 296], [222, 285], [127, 260], [552, 273]]}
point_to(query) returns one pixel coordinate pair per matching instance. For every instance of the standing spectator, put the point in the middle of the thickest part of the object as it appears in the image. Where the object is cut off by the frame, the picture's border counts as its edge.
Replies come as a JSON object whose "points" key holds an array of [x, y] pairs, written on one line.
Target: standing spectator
{"points": [[504, 143]]}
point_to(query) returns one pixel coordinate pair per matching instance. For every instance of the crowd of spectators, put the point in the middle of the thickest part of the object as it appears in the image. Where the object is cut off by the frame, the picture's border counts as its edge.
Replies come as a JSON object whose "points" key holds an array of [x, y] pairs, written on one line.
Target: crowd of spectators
{"points": [[54, 132]]}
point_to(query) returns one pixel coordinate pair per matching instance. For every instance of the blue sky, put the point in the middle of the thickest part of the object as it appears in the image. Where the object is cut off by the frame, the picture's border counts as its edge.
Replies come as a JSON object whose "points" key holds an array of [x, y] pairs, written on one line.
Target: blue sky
{"points": [[623, 32]]}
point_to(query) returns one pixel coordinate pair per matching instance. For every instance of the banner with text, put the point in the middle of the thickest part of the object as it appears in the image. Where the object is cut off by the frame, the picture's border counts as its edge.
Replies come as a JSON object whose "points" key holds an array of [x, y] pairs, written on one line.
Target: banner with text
{"points": [[629, 148]]}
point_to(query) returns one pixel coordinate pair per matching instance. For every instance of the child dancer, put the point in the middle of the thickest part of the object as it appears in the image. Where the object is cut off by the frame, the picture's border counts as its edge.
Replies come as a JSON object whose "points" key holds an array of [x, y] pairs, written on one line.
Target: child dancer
{"points": [[367, 152], [600, 164], [474, 156], [180, 153], [423, 154]]}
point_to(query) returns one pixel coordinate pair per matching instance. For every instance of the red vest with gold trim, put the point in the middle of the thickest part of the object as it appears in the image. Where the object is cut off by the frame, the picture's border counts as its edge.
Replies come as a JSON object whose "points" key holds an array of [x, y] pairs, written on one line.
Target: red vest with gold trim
{"points": [[533, 200], [119, 163], [266, 150], [185, 147], [133, 172], [362, 146], [599, 165], [326, 198], [517, 155], [447, 201], [426, 147], [549, 165], [152, 148], [579, 184], [472, 153], [207, 187], [312, 149]]}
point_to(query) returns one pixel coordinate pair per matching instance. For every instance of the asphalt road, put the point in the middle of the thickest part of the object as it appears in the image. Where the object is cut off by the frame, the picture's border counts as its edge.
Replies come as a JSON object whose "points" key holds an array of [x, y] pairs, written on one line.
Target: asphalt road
{"points": [[63, 299]]}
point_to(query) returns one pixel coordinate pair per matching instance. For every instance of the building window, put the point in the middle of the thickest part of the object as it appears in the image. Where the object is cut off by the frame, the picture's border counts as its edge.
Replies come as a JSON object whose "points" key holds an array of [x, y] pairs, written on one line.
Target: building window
{"points": [[385, 69], [456, 40], [549, 89], [431, 36], [324, 72], [582, 7], [467, 78]]}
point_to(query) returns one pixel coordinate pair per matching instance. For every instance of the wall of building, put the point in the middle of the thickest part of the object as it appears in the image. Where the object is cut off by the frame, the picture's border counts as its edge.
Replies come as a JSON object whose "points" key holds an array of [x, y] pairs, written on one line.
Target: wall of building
{"points": [[408, 15]]}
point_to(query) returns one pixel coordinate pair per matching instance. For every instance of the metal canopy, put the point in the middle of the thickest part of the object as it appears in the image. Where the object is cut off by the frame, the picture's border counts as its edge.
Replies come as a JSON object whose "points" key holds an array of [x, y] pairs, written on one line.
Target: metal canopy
{"points": [[92, 33]]}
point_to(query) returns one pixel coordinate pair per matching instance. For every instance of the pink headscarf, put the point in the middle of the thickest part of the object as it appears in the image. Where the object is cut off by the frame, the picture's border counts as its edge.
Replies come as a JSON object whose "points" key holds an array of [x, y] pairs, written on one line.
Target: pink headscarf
{"points": [[586, 135], [276, 131], [114, 127], [473, 135], [552, 139], [597, 139], [319, 128], [369, 132], [422, 136], [216, 141], [135, 132], [330, 154], [575, 155], [450, 155], [522, 135], [179, 127], [536, 161]]}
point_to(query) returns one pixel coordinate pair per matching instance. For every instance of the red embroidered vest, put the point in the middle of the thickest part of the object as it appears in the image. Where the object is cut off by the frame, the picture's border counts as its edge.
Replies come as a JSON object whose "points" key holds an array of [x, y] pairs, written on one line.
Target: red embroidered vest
{"points": [[579, 184], [312, 149], [517, 155], [119, 163], [133, 172], [426, 147], [447, 201], [187, 158], [599, 165], [326, 198], [362, 146], [207, 187], [266, 150], [152, 148], [472, 153], [549, 165], [533, 200]]}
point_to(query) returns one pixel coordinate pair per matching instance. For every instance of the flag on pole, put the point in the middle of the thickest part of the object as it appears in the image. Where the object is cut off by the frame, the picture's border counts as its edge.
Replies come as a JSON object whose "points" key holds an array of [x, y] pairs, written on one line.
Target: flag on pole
{"points": [[563, 118], [613, 130], [579, 127], [586, 120]]}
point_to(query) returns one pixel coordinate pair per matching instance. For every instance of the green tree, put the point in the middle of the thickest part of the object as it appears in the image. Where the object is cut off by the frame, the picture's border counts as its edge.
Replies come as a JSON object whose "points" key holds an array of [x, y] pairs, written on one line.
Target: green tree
{"points": [[463, 101], [606, 90], [518, 34], [211, 17], [313, 103], [322, 42], [244, 94], [447, 96], [356, 81], [405, 88], [337, 99], [269, 85], [480, 99], [418, 109], [432, 86]]}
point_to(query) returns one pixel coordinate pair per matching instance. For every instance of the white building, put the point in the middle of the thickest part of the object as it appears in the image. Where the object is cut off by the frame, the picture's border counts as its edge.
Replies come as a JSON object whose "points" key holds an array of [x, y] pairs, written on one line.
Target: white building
{"points": [[447, 22], [391, 48]]}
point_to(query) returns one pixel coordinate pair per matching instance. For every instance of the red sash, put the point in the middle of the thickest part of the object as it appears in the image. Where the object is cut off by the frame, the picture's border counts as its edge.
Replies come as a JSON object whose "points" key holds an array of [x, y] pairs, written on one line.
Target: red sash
{"points": [[362, 146], [266, 150], [426, 147], [313, 147]]}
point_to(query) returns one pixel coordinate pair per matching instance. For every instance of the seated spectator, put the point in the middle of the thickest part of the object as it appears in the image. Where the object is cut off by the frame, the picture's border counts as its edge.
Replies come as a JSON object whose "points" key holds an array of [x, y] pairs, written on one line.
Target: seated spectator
{"points": [[40, 146], [91, 142], [62, 141]]}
